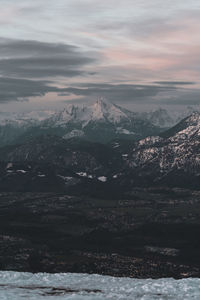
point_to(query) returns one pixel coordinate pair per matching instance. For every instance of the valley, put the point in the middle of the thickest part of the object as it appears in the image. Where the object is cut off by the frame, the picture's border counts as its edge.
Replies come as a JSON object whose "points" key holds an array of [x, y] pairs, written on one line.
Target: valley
{"points": [[151, 233]]}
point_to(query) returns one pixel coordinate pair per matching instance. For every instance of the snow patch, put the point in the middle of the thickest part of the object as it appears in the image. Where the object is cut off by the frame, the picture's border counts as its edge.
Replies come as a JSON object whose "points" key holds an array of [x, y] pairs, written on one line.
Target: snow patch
{"points": [[102, 178], [22, 171], [9, 165], [74, 133], [124, 131], [82, 174], [65, 178]]}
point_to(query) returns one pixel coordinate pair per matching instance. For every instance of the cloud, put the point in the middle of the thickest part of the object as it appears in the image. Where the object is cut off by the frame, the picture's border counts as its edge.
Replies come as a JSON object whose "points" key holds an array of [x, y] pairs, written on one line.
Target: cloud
{"points": [[139, 29], [131, 42], [183, 97], [7, 14], [175, 82], [12, 89], [168, 93], [168, 47], [119, 92], [29, 68], [34, 59]]}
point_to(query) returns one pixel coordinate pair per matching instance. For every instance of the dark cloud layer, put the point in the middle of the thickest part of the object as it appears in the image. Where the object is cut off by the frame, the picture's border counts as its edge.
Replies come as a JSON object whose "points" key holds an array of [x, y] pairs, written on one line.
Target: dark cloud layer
{"points": [[162, 94], [29, 69], [35, 59], [24, 66], [120, 92], [17, 89], [175, 82], [12, 89]]}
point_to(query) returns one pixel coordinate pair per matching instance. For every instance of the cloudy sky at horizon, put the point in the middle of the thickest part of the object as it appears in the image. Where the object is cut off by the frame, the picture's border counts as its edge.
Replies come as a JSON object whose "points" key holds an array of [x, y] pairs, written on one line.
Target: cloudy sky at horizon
{"points": [[133, 52]]}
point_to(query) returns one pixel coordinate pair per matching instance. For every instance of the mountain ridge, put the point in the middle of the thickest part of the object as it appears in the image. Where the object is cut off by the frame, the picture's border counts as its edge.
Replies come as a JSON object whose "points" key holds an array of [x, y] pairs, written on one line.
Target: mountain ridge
{"points": [[119, 166], [175, 155], [99, 122]]}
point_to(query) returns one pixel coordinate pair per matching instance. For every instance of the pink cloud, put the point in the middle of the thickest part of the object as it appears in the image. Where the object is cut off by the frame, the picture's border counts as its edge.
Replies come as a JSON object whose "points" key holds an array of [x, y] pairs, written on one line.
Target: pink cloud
{"points": [[172, 51], [8, 14]]}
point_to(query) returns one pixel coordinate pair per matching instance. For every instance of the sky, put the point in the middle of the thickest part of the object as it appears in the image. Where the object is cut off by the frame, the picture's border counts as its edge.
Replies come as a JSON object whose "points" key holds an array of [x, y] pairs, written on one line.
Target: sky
{"points": [[139, 54]]}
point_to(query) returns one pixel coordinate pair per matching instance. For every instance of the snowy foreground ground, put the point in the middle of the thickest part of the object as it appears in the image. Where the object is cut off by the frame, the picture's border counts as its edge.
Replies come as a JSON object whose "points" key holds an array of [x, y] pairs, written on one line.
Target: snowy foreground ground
{"points": [[14, 285]]}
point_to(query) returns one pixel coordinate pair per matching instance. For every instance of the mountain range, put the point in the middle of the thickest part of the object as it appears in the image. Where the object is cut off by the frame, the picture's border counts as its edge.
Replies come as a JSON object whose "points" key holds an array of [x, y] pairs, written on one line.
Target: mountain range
{"points": [[45, 148], [99, 122], [171, 158], [101, 148]]}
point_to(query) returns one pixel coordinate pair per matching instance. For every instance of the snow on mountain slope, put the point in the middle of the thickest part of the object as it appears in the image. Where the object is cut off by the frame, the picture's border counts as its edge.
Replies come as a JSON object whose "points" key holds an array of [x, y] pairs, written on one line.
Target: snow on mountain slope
{"points": [[100, 111], [165, 118], [178, 150], [100, 122], [161, 117], [33, 117], [13, 125], [185, 128], [37, 115]]}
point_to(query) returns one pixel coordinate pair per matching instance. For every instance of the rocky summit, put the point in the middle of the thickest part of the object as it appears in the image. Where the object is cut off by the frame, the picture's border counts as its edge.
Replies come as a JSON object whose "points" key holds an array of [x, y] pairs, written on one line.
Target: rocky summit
{"points": [[99, 122]]}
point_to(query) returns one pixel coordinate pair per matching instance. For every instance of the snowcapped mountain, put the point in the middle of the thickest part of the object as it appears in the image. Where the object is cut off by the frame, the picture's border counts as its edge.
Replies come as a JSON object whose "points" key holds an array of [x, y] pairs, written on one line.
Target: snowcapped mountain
{"points": [[100, 111], [186, 128], [100, 122], [171, 158], [22, 119], [13, 125], [165, 118], [174, 154], [161, 118]]}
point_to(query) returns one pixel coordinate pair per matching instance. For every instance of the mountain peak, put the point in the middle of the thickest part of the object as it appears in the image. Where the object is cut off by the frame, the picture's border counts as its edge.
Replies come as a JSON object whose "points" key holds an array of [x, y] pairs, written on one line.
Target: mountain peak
{"points": [[99, 111], [102, 102], [107, 111], [185, 129], [161, 117]]}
